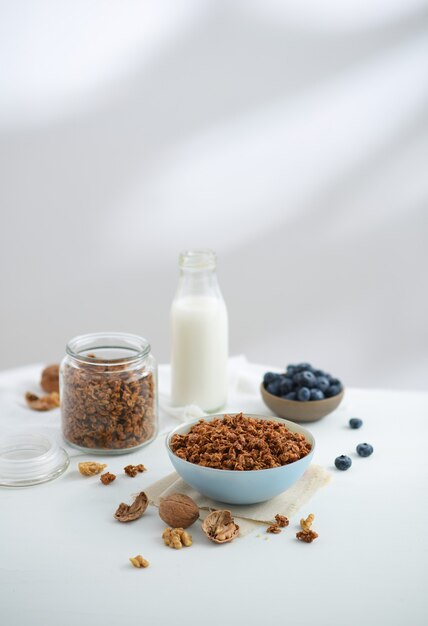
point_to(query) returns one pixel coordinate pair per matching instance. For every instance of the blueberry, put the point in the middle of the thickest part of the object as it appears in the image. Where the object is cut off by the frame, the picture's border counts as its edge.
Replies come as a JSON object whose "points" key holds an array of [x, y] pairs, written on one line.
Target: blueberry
{"points": [[333, 390], [335, 381], [285, 385], [307, 379], [303, 394], [342, 462], [274, 388], [290, 369], [317, 394], [364, 449], [355, 422], [297, 378], [318, 372], [303, 366], [322, 383], [291, 396], [269, 377]]}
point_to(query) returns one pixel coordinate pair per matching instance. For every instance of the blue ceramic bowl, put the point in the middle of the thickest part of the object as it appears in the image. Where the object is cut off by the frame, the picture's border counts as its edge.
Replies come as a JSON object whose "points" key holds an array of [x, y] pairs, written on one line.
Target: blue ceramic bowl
{"points": [[241, 487]]}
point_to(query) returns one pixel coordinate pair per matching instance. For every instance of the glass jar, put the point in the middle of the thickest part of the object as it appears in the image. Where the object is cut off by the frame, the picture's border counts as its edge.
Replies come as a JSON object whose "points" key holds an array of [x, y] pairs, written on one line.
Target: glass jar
{"points": [[108, 390], [199, 328]]}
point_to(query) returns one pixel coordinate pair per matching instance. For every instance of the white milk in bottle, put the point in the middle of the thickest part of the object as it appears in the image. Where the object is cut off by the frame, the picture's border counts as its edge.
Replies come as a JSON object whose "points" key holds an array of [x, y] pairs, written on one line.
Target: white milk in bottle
{"points": [[199, 327]]}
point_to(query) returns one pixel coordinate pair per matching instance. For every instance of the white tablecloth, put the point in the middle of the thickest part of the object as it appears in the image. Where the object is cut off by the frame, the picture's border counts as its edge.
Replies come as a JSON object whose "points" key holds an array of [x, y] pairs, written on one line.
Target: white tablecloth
{"points": [[64, 559]]}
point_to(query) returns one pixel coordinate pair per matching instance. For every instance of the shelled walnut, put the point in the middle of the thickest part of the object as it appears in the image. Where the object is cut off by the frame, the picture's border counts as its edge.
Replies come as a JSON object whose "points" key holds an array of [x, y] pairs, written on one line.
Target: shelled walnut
{"points": [[176, 538], [42, 403], [138, 561], [91, 468], [220, 527], [305, 524], [178, 510]]}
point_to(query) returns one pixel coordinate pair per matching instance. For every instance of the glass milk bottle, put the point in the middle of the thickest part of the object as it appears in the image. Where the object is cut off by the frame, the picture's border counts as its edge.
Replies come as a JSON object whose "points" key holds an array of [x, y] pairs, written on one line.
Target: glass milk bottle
{"points": [[199, 334]]}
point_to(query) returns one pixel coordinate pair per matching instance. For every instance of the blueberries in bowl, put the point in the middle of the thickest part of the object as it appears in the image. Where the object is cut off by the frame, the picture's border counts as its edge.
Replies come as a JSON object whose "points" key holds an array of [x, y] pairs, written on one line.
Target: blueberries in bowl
{"points": [[303, 394], [270, 377], [302, 382], [317, 394]]}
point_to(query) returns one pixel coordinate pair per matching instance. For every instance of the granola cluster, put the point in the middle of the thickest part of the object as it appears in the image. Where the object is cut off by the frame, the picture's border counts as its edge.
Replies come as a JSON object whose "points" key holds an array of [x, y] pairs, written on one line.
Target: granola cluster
{"points": [[107, 478], [237, 442], [133, 470], [107, 406]]}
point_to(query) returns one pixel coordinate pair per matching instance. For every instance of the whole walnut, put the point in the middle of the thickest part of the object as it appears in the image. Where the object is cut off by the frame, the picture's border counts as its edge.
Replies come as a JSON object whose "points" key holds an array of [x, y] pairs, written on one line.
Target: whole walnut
{"points": [[178, 510], [50, 379]]}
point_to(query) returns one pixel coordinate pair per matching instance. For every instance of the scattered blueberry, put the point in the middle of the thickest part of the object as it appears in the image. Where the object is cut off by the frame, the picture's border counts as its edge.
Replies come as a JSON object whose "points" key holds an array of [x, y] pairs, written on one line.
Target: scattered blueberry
{"points": [[291, 396], [322, 383], [317, 394], [364, 449], [286, 385], [303, 394], [307, 379], [274, 388], [342, 462], [269, 377], [355, 422]]}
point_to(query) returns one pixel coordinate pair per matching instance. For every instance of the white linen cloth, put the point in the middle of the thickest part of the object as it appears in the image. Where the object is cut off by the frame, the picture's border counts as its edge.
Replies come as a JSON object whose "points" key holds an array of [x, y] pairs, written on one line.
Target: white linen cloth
{"points": [[248, 516]]}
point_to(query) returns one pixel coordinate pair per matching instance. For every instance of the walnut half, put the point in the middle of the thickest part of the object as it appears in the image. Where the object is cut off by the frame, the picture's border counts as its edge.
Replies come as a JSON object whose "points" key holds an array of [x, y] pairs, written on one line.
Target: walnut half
{"points": [[131, 512], [219, 526]]}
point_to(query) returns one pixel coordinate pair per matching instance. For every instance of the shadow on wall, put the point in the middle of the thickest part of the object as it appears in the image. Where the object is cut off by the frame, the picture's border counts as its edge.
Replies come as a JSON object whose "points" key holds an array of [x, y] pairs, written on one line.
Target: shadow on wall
{"points": [[295, 292]]}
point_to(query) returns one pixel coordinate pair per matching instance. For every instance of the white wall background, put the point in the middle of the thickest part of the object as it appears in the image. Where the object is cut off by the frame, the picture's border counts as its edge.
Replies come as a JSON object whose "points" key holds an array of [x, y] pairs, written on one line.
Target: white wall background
{"points": [[290, 137]]}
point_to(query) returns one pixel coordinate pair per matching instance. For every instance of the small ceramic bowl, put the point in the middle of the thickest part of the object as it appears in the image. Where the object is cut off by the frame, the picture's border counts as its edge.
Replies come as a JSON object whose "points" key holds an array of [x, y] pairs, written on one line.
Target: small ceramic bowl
{"points": [[240, 487], [310, 411]]}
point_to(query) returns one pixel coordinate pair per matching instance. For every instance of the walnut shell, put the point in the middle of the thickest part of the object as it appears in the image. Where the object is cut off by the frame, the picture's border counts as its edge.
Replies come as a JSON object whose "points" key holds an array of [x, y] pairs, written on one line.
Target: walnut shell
{"points": [[130, 512], [178, 510], [50, 378], [220, 527]]}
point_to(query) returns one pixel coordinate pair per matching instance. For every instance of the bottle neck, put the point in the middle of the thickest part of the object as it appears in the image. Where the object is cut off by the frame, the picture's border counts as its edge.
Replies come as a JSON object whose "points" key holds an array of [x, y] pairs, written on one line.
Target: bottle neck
{"points": [[198, 282]]}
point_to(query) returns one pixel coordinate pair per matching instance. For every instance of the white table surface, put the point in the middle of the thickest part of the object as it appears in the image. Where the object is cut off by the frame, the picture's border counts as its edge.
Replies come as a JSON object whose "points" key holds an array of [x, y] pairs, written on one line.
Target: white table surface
{"points": [[64, 559]]}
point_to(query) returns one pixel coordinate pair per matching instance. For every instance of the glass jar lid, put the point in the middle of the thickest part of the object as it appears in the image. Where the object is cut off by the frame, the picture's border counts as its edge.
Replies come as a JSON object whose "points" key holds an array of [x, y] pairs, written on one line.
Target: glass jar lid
{"points": [[30, 459]]}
